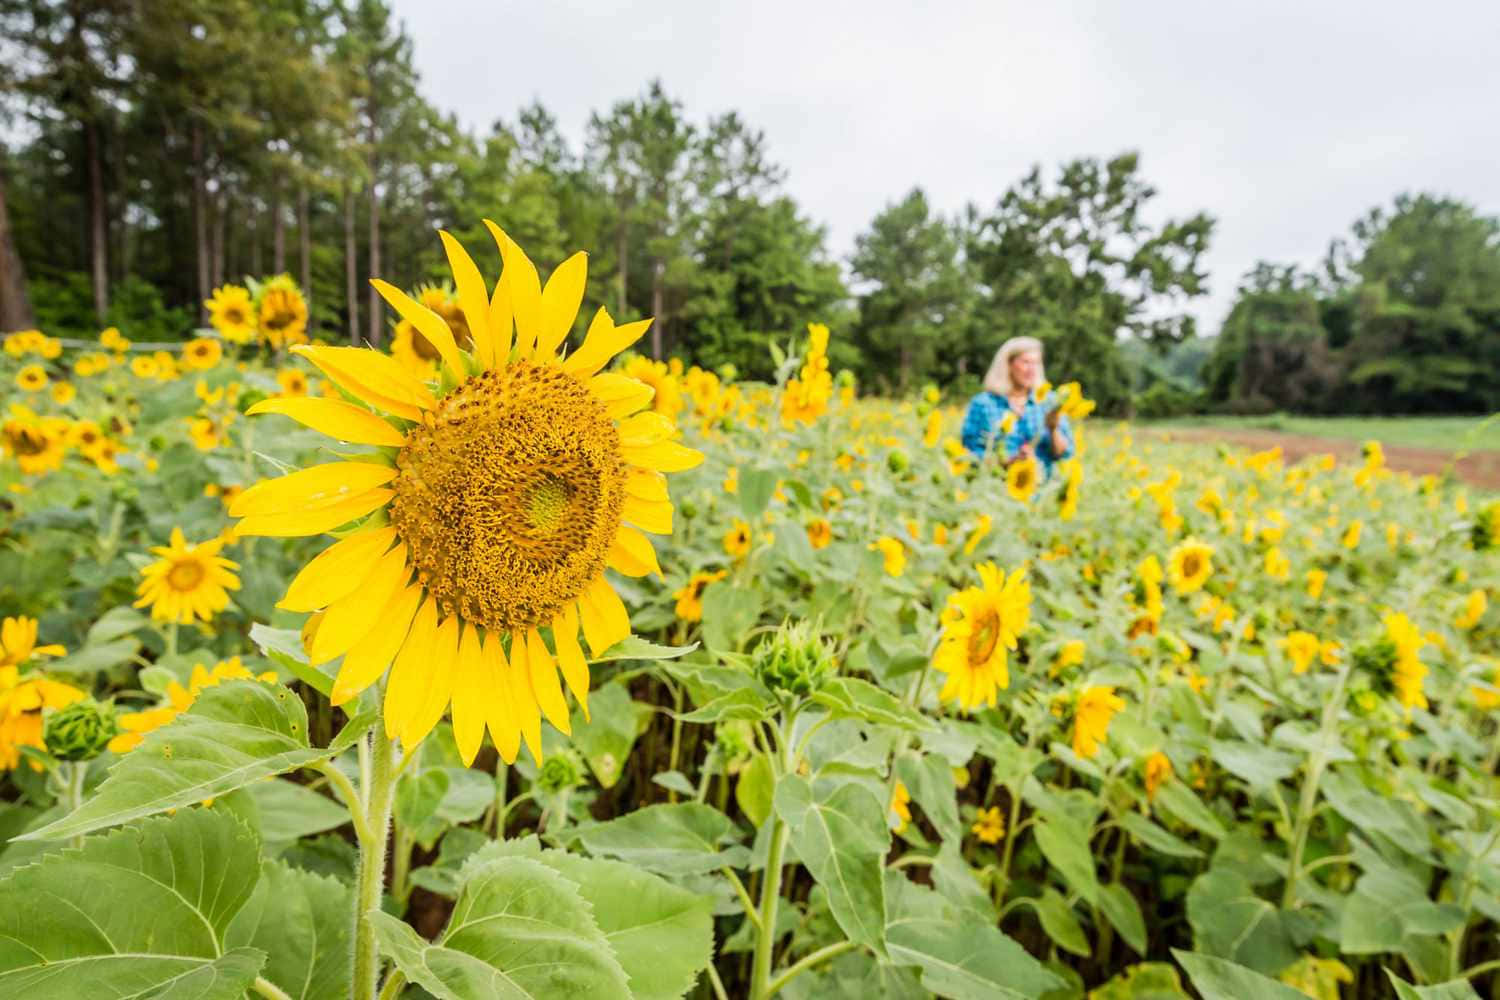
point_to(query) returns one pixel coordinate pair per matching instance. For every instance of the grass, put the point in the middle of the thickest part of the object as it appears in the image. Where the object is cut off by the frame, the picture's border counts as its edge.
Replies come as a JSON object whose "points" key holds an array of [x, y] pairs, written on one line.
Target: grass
{"points": [[1445, 433]]}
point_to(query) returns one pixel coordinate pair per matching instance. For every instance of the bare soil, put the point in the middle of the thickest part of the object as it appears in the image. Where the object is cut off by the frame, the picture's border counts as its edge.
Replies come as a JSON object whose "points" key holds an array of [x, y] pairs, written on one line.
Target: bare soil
{"points": [[1479, 468]]}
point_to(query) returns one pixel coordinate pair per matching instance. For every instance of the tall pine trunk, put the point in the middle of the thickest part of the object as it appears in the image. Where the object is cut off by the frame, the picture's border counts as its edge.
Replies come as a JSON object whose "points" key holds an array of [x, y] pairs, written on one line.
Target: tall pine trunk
{"points": [[15, 307], [377, 325], [304, 249], [257, 259], [351, 266], [278, 230], [98, 223], [622, 251], [200, 220], [658, 306], [220, 231]]}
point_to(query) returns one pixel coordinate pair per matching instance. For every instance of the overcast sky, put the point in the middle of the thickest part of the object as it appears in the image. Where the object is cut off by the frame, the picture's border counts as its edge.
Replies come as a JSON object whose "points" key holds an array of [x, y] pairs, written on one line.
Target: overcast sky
{"points": [[1284, 121]]}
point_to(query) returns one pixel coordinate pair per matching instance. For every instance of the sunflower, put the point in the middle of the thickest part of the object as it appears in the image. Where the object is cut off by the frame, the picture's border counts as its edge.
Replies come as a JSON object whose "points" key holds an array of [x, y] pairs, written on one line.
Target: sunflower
{"points": [[1021, 479], [135, 725], [144, 367], [1475, 606], [415, 352], [488, 513], [1352, 533], [38, 444], [202, 354], [892, 553], [980, 626], [989, 825], [1158, 772], [1072, 481], [293, 382], [1315, 578], [18, 642], [819, 533], [737, 539], [63, 393], [1069, 654], [900, 807], [187, 581], [22, 702], [667, 397], [32, 378], [1095, 708], [1189, 565], [282, 313], [204, 433], [231, 313], [976, 535], [1301, 648], [690, 597]]}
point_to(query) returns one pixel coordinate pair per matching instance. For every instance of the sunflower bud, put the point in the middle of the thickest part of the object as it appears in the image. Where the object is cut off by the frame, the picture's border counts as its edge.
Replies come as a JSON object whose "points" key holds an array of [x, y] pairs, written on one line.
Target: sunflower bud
{"points": [[795, 661], [1486, 531], [80, 731], [559, 771], [896, 461], [687, 508]]}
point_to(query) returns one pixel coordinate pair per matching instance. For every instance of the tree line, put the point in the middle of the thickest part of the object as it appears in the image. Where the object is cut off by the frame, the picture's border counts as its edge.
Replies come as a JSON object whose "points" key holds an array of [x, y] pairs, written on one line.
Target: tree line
{"points": [[159, 150]]}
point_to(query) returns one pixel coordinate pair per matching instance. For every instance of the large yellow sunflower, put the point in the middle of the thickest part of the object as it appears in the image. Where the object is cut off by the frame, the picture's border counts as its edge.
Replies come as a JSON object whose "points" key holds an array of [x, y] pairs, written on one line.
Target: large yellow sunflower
{"points": [[980, 626], [487, 514], [187, 581], [231, 313]]}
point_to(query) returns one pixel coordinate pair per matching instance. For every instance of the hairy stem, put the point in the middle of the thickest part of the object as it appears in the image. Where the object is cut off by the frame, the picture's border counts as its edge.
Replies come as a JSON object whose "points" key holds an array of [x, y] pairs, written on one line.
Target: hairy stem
{"points": [[372, 849]]}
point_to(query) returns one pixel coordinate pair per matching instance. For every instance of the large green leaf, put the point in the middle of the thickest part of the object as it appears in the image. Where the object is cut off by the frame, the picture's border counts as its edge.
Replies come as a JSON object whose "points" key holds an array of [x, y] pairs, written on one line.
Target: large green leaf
{"points": [[1059, 921], [606, 737], [1156, 838], [234, 734], [138, 912], [929, 779], [1230, 921], [1066, 847], [519, 930], [1122, 910], [687, 838], [852, 698], [839, 832], [1456, 989], [1220, 979], [303, 922], [289, 811]]}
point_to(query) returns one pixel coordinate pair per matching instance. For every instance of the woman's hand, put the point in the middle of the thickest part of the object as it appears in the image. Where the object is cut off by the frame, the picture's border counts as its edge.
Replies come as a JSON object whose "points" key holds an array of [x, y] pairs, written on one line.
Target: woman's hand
{"points": [[1053, 416]]}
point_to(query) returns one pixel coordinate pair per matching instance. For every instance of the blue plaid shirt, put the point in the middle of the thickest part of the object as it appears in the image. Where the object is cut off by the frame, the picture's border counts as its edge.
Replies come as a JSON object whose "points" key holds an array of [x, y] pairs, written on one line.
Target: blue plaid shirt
{"points": [[981, 430]]}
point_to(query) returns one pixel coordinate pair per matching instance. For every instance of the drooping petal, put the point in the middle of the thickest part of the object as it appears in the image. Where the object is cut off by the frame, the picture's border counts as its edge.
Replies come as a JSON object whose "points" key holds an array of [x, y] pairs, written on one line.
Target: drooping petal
{"points": [[502, 326], [405, 688], [633, 554], [603, 616], [428, 323], [544, 683], [314, 522], [471, 675], [311, 488], [525, 289], [500, 701], [647, 484], [645, 429], [472, 299], [664, 456], [443, 655], [602, 342], [337, 570], [528, 714], [334, 417], [351, 617], [621, 394], [648, 515], [371, 655], [560, 301], [570, 658], [376, 378]]}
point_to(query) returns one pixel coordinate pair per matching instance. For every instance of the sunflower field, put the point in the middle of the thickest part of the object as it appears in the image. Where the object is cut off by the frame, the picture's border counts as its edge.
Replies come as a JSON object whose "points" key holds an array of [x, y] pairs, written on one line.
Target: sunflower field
{"points": [[510, 663]]}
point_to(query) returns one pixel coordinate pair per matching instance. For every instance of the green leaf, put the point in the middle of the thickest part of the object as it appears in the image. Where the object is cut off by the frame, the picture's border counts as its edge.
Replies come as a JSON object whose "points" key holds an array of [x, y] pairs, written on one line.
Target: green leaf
{"points": [[754, 790], [728, 613], [750, 703], [289, 811], [1179, 802], [1220, 979], [135, 911], [1229, 920], [1144, 981], [757, 486], [1156, 838], [519, 930], [1259, 766], [92, 659], [1059, 921], [685, 838], [283, 646], [852, 698], [1066, 847], [1121, 909], [114, 623], [1455, 989], [840, 834], [930, 781], [611, 730], [234, 734], [304, 923], [633, 647]]}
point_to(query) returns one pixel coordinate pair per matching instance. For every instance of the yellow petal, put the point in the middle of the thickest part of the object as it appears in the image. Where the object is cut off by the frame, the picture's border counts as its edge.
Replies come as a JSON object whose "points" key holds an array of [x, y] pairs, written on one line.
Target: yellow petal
{"points": [[560, 301], [525, 289], [544, 682], [499, 701], [528, 714], [314, 522], [501, 326], [664, 456], [603, 616], [632, 553], [405, 689], [570, 658], [652, 516], [602, 342], [647, 484], [369, 657], [311, 488], [471, 297], [351, 617], [334, 417], [441, 662], [645, 429], [428, 323], [376, 378], [621, 394], [470, 677], [337, 570]]}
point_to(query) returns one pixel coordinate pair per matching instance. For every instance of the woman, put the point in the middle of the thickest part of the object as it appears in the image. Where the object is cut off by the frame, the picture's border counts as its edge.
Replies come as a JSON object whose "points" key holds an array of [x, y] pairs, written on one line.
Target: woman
{"points": [[1035, 431]]}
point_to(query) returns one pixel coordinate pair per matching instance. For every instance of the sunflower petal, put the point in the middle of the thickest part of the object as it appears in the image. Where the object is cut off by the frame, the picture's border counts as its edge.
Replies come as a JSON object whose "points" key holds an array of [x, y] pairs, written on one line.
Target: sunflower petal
{"points": [[528, 713], [369, 657], [470, 677], [334, 417], [664, 456], [404, 691], [632, 553], [313, 522], [544, 683], [337, 570], [603, 616], [311, 488], [647, 484], [560, 301], [602, 342], [502, 326], [645, 429], [438, 690], [351, 617], [428, 323], [376, 378], [570, 658], [621, 394], [500, 701], [648, 515], [525, 289], [472, 297]]}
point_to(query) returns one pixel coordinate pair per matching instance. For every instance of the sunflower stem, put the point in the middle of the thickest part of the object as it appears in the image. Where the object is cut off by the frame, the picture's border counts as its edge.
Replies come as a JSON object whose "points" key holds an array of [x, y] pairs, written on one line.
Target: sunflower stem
{"points": [[770, 892], [378, 798]]}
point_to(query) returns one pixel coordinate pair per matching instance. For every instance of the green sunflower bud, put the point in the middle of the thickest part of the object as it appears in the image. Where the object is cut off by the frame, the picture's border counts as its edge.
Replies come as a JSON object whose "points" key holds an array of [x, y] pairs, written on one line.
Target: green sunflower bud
{"points": [[560, 771], [896, 461], [795, 661], [80, 731]]}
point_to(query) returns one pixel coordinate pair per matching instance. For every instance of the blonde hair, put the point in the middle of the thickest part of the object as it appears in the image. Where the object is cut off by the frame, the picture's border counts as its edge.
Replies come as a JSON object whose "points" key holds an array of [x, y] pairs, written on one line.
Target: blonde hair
{"points": [[997, 379]]}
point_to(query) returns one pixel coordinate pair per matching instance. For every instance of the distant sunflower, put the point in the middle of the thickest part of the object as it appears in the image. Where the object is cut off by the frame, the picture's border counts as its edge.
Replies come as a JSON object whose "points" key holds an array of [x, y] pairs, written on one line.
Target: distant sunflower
{"points": [[293, 382], [1189, 565], [1021, 479], [819, 533], [18, 642], [38, 444], [135, 726], [202, 354], [187, 581], [690, 597], [667, 398], [487, 513], [1092, 713], [231, 313], [32, 378], [282, 315], [737, 539], [980, 628]]}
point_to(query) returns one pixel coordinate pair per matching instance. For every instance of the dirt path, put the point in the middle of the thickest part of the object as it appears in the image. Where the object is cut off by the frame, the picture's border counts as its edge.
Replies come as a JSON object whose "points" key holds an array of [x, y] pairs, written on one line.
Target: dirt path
{"points": [[1480, 468]]}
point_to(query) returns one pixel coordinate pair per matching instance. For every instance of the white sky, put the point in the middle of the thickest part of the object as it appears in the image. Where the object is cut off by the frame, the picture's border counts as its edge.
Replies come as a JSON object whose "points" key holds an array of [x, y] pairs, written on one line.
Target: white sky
{"points": [[1284, 121]]}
